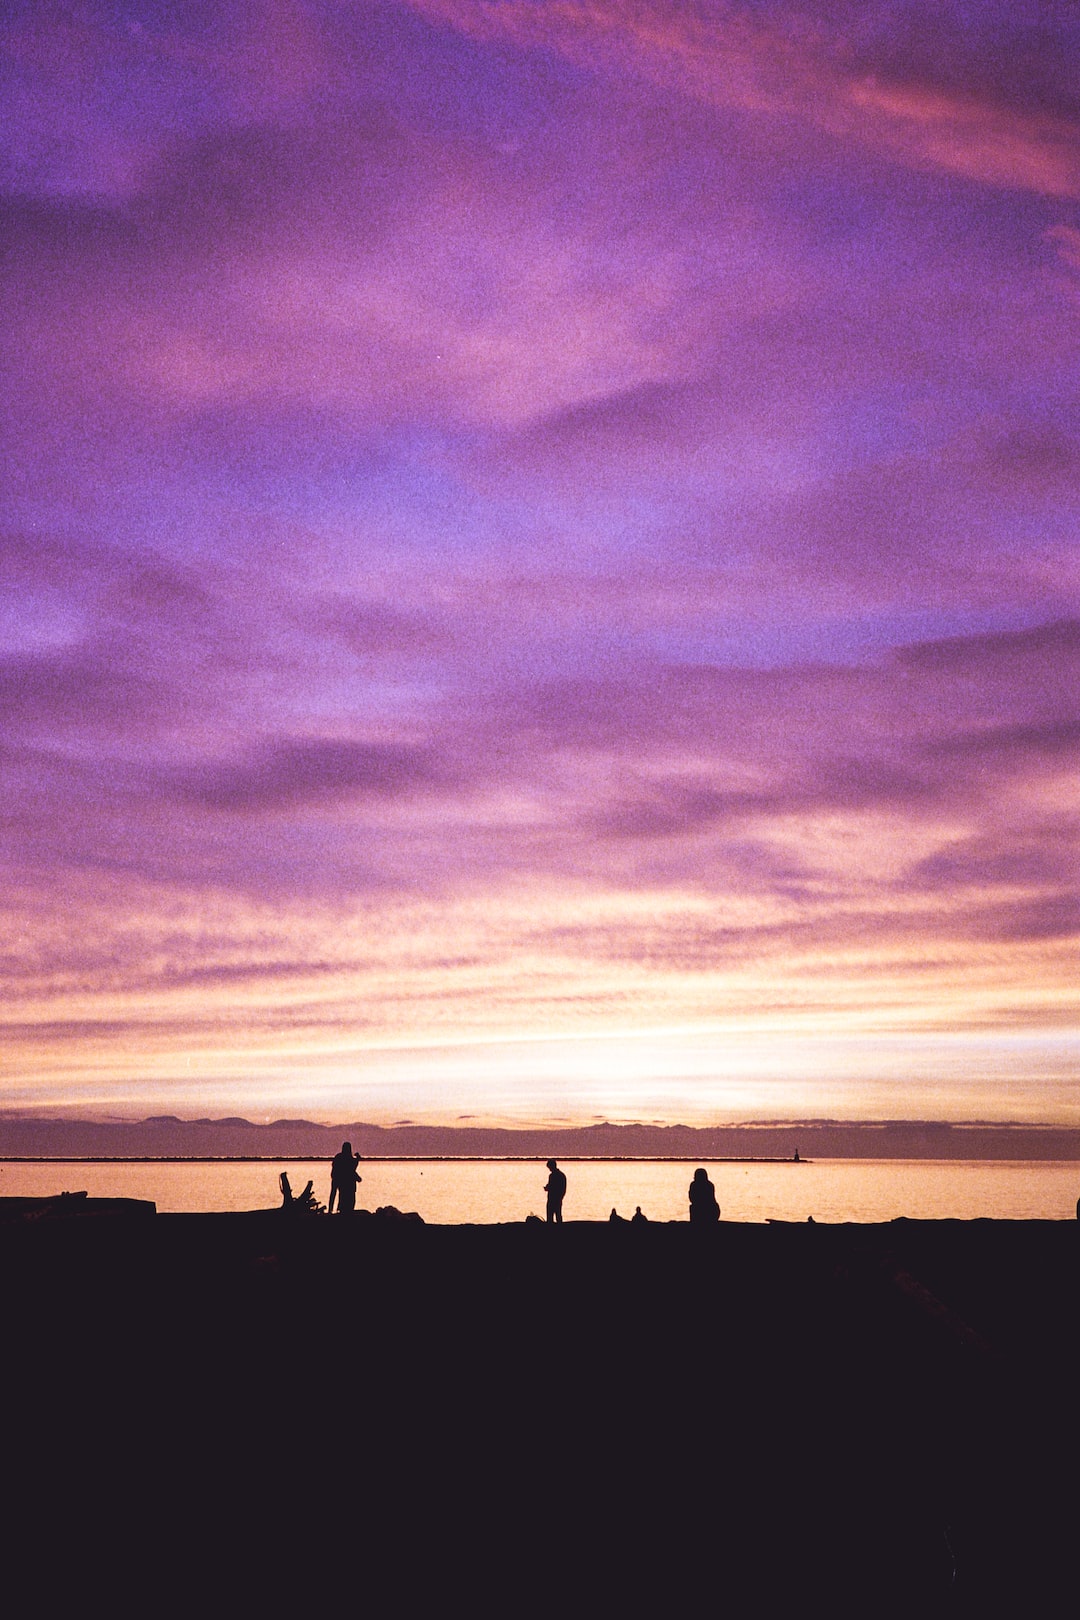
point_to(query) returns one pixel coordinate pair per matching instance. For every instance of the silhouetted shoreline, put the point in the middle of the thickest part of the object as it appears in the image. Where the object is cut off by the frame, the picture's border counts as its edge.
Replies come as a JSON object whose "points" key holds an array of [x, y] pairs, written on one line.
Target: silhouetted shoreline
{"points": [[770, 1408]]}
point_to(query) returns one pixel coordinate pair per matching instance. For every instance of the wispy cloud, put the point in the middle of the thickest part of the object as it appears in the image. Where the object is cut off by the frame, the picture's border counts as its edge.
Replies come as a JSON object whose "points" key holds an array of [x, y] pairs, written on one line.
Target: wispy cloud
{"points": [[306, 770], [827, 72]]}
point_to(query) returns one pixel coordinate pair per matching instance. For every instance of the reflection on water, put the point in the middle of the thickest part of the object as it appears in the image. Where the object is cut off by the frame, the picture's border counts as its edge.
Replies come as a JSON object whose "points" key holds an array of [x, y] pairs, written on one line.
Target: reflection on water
{"points": [[500, 1190]]}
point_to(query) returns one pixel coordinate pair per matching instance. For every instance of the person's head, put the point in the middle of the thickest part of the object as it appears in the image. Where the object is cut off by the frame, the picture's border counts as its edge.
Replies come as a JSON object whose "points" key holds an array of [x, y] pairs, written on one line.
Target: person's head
{"points": [[699, 1175], [552, 1165], [346, 1147]]}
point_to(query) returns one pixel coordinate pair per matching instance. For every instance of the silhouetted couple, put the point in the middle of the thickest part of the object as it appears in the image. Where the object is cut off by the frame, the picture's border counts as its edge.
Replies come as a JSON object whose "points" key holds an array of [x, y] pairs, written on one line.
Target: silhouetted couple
{"points": [[555, 1187], [704, 1210], [343, 1179]]}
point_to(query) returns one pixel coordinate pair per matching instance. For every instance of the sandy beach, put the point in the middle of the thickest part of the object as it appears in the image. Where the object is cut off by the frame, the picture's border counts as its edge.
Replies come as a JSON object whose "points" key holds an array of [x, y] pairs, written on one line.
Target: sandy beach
{"points": [[882, 1417]]}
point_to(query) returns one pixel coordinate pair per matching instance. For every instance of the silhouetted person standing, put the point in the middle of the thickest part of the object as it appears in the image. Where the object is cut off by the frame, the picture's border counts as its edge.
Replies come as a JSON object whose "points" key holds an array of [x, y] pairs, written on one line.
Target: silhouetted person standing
{"points": [[555, 1187], [704, 1209], [343, 1179]]}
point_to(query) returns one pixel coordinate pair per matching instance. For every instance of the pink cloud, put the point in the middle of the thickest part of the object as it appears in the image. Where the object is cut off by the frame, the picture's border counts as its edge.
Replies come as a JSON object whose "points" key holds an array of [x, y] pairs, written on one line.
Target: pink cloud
{"points": [[386, 275], [790, 63]]}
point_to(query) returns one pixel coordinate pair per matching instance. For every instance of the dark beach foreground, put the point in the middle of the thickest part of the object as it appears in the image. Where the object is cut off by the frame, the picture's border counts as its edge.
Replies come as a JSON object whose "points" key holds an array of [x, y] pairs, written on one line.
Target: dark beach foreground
{"points": [[229, 1410]]}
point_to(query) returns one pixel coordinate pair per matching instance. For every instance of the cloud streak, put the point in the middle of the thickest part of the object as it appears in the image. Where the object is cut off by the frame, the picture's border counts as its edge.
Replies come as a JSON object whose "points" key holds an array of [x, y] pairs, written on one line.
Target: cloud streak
{"points": [[789, 62]]}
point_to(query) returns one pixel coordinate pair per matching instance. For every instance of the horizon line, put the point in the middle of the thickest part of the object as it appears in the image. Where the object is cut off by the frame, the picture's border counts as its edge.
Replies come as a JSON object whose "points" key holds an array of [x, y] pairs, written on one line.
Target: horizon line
{"points": [[14, 1117]]}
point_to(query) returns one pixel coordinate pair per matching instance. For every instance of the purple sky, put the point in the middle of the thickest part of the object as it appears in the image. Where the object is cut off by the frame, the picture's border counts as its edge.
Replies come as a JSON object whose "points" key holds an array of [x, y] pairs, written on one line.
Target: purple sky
{"points": [[539, 574]]}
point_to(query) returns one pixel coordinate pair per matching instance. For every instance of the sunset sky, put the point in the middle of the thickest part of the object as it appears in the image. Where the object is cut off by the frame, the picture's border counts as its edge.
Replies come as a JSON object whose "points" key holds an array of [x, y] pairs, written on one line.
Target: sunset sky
{"points": [[540, 574]]}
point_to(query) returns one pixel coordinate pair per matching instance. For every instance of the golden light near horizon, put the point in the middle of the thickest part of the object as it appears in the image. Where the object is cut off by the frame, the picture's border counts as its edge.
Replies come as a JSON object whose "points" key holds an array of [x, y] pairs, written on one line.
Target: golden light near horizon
{"points": [[384, 1005]]}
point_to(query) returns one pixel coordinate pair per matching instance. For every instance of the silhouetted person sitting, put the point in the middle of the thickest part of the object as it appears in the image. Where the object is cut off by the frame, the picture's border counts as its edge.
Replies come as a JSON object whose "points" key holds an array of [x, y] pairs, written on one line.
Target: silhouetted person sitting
{"points": [[704, 1209], [343, 1179], [637, 1218], [620, 1220], [555, 1187]]}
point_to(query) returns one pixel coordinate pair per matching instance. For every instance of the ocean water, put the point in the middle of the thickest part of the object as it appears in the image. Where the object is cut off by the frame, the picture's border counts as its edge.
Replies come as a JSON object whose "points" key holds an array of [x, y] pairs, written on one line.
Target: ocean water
{"points": [[452, 1192]]}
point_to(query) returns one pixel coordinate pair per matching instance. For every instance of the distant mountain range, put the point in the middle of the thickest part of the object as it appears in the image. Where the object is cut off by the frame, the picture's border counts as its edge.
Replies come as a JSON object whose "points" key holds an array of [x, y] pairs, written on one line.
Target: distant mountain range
{"points": [[165, 1136]]}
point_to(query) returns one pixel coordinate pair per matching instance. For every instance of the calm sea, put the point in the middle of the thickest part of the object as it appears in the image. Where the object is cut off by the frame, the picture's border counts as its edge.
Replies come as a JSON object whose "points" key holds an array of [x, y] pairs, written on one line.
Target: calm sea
{"points": [[452, 1192]]}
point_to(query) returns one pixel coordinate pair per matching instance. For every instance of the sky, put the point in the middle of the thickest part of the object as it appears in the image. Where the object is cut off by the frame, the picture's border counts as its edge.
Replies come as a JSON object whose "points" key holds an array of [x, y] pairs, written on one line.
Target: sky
{"points": [[539, 570]]}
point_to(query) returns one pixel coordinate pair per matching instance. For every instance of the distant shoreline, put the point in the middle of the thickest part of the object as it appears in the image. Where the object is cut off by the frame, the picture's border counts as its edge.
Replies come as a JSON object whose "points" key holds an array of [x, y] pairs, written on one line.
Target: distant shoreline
{"points": [[164, 1139]]}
